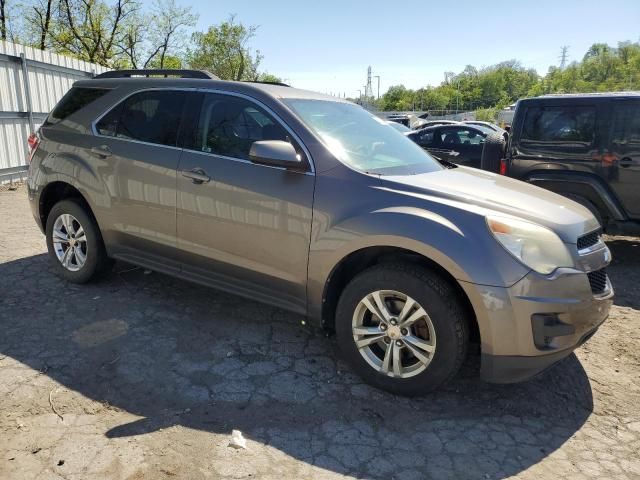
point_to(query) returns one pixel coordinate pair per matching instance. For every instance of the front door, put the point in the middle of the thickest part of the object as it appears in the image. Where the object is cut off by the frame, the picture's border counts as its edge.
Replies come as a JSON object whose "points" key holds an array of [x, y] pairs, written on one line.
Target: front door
{"points": [[243, 227], [625, 147]]}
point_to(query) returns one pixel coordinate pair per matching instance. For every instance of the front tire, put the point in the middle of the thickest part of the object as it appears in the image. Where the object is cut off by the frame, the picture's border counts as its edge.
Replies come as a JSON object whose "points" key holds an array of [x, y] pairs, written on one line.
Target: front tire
{"points": [[402, 328], [74, 242]]}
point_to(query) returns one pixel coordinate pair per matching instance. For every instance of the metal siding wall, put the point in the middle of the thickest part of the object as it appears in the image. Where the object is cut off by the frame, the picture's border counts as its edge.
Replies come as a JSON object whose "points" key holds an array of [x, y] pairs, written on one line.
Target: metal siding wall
{"points": [[50, 76]]}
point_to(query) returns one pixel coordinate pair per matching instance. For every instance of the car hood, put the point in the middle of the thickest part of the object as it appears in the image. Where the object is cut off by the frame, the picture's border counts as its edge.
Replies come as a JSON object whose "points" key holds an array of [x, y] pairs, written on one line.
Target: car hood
{"points": [[485, 193]]}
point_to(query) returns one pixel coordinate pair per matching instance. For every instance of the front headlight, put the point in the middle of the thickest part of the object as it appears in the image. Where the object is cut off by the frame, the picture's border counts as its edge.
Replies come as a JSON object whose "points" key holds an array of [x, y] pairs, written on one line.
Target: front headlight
{"points": [[534, 245]]}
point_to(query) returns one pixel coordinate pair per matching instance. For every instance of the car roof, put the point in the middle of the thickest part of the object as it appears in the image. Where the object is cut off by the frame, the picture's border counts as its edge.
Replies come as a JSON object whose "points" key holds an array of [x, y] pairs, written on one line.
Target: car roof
{"points": [[599, 96], [449, 125], [249, 88]]}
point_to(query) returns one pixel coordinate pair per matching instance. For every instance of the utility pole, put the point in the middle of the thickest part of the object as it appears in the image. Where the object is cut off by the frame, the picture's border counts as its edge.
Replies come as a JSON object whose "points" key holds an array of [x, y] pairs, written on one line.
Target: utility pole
{"points": [[378, 77], [563, 56]]}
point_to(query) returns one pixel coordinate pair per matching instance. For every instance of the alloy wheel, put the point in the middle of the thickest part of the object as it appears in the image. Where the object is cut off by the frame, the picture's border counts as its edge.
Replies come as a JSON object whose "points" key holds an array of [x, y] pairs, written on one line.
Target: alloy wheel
{"points": [[394, 333], [69, 242]]}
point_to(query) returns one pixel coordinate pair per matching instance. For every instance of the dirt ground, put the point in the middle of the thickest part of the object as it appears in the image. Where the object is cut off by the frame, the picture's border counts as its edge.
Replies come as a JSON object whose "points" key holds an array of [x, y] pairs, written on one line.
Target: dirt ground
{"points": [[142, 376]]}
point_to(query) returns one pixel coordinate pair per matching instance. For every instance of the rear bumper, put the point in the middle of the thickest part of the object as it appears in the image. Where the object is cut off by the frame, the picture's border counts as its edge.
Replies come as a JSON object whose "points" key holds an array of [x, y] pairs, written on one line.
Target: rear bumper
{"points": [[539, 320]]}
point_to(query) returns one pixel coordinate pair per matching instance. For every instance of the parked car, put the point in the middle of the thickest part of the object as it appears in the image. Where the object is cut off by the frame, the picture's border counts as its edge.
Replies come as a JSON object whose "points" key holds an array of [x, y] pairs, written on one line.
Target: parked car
{"points": [[401, 118], [489, 125], [420, 124], [312, 204], [585, 147], [459, 143]]}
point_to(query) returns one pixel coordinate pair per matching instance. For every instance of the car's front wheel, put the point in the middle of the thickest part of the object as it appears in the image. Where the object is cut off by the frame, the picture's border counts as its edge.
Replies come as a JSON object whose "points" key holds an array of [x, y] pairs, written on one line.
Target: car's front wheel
{"points": [[402, 328], [74, 242]]}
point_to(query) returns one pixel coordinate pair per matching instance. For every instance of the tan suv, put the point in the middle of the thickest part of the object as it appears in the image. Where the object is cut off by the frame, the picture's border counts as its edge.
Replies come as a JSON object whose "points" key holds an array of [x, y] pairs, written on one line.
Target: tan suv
{"points": [[313, 204]]}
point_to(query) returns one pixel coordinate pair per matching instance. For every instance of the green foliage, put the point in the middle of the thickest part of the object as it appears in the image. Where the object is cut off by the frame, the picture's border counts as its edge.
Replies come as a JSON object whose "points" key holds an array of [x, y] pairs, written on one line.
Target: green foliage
{"points": [[603, 68], [224, 51]]}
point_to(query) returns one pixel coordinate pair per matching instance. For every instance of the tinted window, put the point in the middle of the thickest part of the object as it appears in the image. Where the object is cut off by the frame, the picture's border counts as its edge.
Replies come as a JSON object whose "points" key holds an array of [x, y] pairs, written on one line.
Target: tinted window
{"points": [[626, 123], [229, 125], [74, 100], [559, 126], [152, 117]]}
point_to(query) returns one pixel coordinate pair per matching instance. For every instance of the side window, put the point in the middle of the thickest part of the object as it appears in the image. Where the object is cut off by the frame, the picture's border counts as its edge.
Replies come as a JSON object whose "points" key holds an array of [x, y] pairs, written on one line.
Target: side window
{"points": [[229, 125], [152, 117], [566, 126], [626, 123], [425, 139], [109, 123], [450, 137], [470, 137], [74, 100]]}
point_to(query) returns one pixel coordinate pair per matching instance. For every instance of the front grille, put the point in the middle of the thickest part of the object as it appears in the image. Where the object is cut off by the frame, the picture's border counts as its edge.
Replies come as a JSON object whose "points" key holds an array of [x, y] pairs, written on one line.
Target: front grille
{"points": [[598, 281], [588, 240]]}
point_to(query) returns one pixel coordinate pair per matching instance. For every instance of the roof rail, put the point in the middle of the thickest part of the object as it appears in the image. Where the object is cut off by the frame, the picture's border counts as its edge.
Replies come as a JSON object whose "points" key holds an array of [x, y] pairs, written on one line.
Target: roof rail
{"points": [[267, 83], [158, 73]]}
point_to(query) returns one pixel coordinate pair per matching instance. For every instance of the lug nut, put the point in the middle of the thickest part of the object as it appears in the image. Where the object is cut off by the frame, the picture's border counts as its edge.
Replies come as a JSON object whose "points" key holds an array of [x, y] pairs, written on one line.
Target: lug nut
{"points": [[394, 321], [404, 331], [398, 343], [387, 340], [383, 327]]}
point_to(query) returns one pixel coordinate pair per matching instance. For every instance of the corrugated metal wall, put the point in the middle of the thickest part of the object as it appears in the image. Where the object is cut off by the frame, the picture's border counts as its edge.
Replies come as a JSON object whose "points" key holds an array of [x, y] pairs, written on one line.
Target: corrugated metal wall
{"points": [[49, 76]]}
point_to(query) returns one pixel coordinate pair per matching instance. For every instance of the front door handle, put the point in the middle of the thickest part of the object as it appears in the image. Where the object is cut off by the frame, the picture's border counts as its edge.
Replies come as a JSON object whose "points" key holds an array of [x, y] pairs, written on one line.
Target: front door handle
{"points": [[197, 175], [102, 151]]}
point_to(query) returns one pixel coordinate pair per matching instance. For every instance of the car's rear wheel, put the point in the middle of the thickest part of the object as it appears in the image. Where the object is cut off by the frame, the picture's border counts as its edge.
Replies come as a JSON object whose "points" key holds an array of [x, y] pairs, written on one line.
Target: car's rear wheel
{"points": [[74, 242], [402, 328]]}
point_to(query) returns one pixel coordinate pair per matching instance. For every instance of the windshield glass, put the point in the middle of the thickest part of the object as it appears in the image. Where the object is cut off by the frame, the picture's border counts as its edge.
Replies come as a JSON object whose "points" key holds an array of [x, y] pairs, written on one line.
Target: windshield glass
{"points": [[362, 140], [398, 126]]}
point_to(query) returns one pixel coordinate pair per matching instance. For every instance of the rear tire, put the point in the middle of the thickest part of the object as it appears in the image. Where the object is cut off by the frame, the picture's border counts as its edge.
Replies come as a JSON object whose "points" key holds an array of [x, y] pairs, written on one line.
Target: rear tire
{"points": [[493, 151], [74, 242], [440, 337]]}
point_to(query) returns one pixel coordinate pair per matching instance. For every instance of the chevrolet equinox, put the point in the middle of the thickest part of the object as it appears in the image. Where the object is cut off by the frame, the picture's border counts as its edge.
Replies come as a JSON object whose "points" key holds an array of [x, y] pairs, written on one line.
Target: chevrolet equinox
{"points": [[313, 204]]}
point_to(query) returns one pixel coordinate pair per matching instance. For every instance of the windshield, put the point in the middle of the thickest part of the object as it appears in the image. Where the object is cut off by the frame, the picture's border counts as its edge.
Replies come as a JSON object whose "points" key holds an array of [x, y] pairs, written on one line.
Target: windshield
{"points": [[362, 140], [399, 127]]}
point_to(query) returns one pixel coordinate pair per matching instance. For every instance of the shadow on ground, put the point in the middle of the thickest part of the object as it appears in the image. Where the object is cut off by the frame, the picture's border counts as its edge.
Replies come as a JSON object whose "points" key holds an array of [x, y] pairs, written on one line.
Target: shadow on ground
{"points": [[625, 271], [179, 354]]}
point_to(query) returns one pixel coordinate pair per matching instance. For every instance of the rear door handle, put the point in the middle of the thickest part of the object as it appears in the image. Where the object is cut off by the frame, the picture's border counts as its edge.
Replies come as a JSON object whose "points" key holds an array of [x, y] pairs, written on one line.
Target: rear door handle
{"points": [[102, 151], [197, 175]]}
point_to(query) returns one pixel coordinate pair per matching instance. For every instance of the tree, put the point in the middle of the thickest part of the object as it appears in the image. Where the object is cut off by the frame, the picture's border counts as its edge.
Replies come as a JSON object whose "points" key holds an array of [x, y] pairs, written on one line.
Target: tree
{"points": [[150, 48], [223, 50], [3, 20], [38, 20], [91, 29]]}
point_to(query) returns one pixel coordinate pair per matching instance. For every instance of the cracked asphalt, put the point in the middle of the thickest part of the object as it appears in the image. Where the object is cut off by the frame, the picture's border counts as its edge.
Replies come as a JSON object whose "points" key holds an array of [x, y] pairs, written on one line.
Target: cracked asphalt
{"points": [[142, 376]]}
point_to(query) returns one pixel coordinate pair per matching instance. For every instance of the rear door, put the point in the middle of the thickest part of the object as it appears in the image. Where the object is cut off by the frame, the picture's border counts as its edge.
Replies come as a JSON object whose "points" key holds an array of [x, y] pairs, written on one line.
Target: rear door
{"points": [[242, 227], [624, 167], [137, 143]]}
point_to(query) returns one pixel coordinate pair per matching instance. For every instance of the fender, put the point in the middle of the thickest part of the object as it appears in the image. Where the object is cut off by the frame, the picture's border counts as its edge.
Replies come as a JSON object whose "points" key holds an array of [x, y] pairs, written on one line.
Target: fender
{"points": [[586, 185], [417, 230]]}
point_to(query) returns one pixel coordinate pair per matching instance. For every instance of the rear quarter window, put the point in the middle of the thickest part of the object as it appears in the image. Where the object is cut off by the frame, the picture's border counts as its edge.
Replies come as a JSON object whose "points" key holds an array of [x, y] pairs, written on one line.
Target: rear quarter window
{"points": [[74, 100], [565, 127]]}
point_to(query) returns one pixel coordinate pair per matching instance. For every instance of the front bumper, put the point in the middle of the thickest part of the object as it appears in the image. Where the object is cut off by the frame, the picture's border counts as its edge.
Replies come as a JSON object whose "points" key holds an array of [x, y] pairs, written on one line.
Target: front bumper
{"points": [[534, 323]]}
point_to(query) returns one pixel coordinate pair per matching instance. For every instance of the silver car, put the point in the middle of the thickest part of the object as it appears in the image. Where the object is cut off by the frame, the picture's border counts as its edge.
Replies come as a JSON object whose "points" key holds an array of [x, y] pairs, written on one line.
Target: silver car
{"points": [[312, 204]]}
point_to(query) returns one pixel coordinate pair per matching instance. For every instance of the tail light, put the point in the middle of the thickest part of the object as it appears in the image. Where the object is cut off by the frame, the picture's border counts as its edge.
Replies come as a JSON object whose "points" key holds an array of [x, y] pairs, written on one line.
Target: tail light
{"points": [[503, 166], [33, 141]]}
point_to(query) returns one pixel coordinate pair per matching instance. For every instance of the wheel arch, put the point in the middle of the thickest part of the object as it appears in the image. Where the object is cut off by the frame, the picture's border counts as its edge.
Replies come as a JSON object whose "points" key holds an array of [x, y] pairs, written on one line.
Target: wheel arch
{"points": [[585, 185], [57, 191], [359, 260]]}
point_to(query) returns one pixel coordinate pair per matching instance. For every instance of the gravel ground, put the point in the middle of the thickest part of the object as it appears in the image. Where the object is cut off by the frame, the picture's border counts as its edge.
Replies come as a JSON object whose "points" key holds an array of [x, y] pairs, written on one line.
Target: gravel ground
{"points": [[142, 376]]}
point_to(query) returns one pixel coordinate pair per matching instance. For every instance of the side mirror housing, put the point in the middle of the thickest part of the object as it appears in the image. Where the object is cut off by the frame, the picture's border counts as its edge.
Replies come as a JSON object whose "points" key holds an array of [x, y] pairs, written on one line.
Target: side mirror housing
{"points": [[277, 153]]}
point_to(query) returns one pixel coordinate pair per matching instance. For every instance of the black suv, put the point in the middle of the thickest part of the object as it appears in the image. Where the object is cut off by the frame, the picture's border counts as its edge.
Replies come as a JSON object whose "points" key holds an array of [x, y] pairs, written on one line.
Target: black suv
{"points": [[585, 147]]}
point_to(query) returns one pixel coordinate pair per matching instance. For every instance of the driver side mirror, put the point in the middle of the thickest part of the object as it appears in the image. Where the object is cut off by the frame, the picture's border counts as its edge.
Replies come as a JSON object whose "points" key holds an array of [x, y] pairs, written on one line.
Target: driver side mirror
{"points": [[276, 153]]}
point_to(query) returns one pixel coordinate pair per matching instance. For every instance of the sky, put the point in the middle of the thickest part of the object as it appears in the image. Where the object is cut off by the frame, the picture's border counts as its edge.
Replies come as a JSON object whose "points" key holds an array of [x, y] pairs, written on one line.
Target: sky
{"points": [[327, 45]]}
